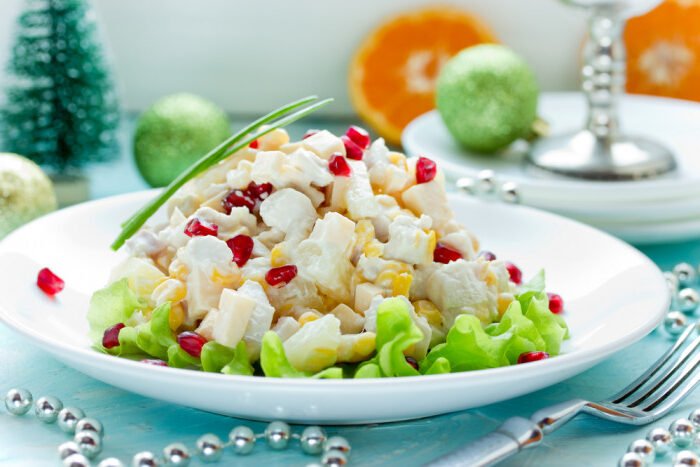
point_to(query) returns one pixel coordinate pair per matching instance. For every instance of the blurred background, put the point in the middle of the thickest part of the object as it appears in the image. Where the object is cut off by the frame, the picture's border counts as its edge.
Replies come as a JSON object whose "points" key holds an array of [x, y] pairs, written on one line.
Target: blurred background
{"points": [[100, 97], [251, 56]]}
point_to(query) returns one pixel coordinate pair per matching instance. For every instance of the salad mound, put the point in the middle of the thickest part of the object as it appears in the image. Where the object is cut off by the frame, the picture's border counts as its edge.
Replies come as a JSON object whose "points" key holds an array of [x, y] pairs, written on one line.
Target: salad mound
{"points": [[329, 257]]}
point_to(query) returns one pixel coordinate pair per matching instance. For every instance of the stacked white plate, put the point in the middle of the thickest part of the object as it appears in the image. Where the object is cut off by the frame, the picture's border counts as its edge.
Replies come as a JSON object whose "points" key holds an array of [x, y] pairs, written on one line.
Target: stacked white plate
{"points": [[661, 209]]}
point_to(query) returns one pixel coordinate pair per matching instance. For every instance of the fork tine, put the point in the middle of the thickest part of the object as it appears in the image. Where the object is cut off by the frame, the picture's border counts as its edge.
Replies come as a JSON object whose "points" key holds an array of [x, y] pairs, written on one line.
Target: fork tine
{"points": [[672, 389], [661, 408], [639, 382], [679, 363]]}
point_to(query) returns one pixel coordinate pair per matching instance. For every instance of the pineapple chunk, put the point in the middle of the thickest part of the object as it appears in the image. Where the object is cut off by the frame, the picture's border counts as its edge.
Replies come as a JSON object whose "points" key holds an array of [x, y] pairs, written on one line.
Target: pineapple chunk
{"points": [[356, 347], [315, 346]]}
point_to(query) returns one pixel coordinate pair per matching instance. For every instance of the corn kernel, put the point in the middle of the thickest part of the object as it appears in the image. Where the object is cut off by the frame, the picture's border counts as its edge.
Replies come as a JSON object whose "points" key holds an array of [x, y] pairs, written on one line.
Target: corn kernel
{"points": [[307, 317], [401, 284], [398, 159], [277, 256], [504, 301], [429, 311], [373, 249], [226, 280], [176, 316]]}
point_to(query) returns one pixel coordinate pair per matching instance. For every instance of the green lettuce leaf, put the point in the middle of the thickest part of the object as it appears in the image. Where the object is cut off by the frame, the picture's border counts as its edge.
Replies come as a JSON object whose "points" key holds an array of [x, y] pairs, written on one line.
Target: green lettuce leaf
{"points": [[155, 337], [551, 327], [274, 361], [178, 358], [109, 306], [441, 365], [240, 364]]}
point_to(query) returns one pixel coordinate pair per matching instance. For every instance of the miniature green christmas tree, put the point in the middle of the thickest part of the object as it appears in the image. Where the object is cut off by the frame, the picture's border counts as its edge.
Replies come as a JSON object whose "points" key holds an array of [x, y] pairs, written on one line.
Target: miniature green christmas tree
{"points": [[61, 109]]}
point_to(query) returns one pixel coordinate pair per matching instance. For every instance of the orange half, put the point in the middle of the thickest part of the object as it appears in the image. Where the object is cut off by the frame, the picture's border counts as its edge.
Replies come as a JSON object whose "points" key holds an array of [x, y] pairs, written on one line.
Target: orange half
{"points": [[663, 51], [392, 75]]}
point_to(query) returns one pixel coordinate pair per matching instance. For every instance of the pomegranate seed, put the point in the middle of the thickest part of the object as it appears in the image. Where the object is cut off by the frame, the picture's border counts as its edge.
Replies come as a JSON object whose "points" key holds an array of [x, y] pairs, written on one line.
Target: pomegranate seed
{"points": [[339, 166], [260, 192], [358, 136], [255, 144], [516, 275], [197, 228], [49, 282], [191, 342], [425, 170], [527, 357], [281, 276], [487, 255], [310, 132], [352, 150], [154, 361], [238, 199], [242, 247], [110, 339], [412, 361], [444, 254], [556, 303]]}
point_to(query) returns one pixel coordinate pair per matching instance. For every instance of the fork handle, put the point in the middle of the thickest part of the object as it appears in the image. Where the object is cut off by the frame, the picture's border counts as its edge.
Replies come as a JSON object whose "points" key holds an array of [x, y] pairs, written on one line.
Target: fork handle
{"points": [[515, 434]]}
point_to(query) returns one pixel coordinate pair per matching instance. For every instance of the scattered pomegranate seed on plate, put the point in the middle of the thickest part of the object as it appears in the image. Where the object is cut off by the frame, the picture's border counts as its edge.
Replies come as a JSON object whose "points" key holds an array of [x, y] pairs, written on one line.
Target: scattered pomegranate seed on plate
{"points": [[110, 339], [444, 254], [426, 170], [49, 282], [352, 150], [516, 275], [527, 357], [359, 136], [154, 362], [556, 303], [338, 166], [242, 248], [200, 228], [277, 277], [191, 342]]}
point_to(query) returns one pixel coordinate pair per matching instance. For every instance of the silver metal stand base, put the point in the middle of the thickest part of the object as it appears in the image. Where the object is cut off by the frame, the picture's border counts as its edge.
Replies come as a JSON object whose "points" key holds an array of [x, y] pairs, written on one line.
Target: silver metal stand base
{"points": [[583, 155]]}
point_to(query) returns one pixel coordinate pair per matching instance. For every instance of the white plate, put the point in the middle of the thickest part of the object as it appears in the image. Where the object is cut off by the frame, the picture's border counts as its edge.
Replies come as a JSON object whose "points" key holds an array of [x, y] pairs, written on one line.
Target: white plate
{"points": [[674, 122], [598, 276]]}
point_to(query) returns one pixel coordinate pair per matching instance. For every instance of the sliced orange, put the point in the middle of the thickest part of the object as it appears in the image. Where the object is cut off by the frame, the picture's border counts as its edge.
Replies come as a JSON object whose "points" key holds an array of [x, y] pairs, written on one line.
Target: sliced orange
{"points": [[663, 51], [392, 75]]}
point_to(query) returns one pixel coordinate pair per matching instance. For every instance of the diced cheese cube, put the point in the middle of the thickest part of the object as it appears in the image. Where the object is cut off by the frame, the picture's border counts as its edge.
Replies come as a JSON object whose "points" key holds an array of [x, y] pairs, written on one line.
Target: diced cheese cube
{"points": [[324, 144], [339, 191], [335, 230], [234, 314], [350, 322], [364, 293], [285, 327], [409, 241], [315, 346], [260, 318]]}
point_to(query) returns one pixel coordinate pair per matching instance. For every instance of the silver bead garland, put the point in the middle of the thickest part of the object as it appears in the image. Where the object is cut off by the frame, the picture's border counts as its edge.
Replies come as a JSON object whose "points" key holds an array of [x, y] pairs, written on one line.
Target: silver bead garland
{"points": [[685, 297], [88, 433], [486, 185], [683, 434]]}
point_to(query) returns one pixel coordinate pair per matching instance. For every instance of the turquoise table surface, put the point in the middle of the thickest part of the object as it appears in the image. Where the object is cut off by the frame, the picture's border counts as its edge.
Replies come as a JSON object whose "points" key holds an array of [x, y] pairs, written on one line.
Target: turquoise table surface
{"points": [[134, 423]]}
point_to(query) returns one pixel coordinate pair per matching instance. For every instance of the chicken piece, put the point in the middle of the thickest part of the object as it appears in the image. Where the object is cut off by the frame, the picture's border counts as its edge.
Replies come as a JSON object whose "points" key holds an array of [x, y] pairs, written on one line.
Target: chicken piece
{"points": [[290, 212], [239, 221], [389, 209], [429, 199], [459, 287], [410, 240], [315, 346], [324, 144], [144, 243], [461, 241], [240, 177], [210, 267]]}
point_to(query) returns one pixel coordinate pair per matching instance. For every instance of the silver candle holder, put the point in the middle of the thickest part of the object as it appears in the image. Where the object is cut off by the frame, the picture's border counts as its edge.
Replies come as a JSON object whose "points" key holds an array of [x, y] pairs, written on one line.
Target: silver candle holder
{"points": [[600, 150]]}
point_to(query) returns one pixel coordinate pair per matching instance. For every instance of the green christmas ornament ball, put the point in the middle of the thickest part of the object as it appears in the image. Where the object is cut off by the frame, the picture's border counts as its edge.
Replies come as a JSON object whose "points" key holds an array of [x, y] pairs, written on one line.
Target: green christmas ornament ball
{"points": [[25, 192], [175, 132], [487, 97]]}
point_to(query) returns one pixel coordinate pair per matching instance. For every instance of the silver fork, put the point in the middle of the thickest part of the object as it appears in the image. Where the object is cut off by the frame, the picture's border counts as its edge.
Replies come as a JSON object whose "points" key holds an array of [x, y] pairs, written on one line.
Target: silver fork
{"points": [[651, 396]]}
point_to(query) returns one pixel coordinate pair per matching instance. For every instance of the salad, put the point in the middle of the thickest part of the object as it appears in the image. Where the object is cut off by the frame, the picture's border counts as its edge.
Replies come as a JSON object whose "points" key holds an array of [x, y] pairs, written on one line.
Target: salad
{"points": [[329, 257]]}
